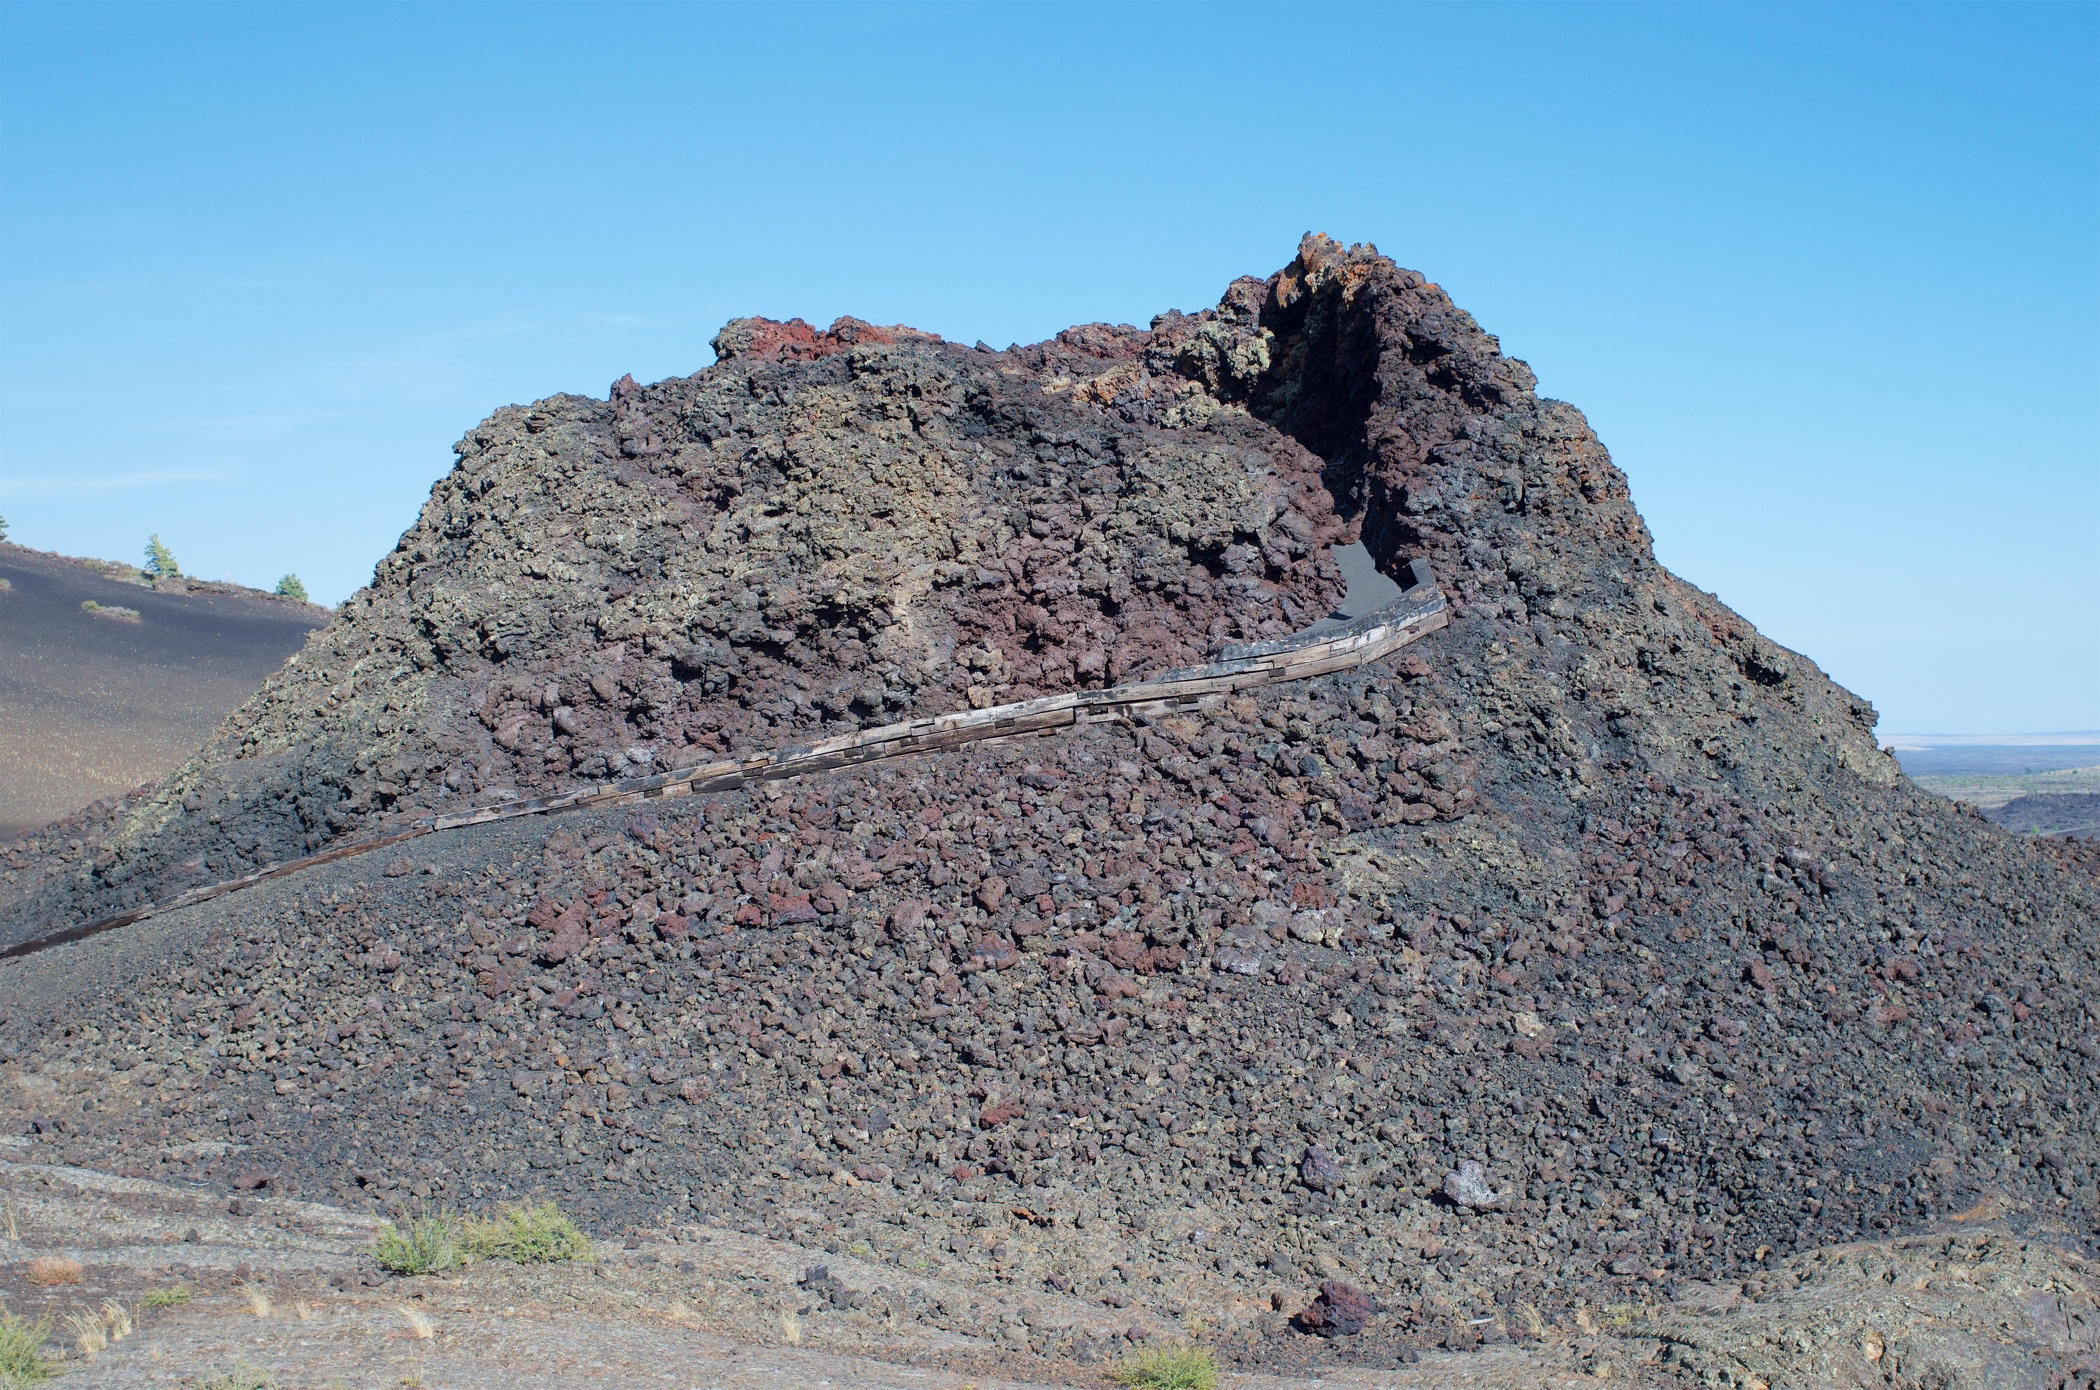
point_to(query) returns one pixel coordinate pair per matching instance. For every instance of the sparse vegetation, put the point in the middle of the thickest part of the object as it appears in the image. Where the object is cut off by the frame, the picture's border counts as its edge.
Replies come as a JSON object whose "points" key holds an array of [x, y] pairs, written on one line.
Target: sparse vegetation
{"points": [[258, 1300], [3, 528], [1168, 1368], [160, 561], [109, 610], [22, 1350], [530, 1233], [419, 1244], [173, 1296], [89, 1335], [241, 1376], [290, 587], [419, 1322], [527, 1233], [49, 1271]]}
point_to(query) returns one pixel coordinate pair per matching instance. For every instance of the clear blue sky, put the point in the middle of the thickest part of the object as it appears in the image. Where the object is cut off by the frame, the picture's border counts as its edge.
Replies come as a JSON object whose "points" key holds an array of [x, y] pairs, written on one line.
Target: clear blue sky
{"points": [[1826, 280]]}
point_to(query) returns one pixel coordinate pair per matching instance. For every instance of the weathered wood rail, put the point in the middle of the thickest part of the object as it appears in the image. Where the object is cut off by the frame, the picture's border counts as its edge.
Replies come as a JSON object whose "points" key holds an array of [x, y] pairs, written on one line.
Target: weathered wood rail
{"points": [[1420, 610]]}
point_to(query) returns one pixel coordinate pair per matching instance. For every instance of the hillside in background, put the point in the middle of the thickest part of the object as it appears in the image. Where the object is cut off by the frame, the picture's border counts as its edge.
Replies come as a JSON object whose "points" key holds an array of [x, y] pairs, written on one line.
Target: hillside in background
{"points": [[99, 702]]}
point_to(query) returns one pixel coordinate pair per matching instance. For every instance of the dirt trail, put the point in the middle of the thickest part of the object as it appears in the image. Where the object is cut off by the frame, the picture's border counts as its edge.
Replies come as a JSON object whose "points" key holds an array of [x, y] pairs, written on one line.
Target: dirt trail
{"points": [[288, 1288]]}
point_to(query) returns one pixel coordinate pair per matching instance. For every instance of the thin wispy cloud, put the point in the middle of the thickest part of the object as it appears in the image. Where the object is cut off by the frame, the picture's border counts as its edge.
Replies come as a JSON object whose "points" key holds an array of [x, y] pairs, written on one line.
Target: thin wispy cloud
{"points": [[53, 485]]}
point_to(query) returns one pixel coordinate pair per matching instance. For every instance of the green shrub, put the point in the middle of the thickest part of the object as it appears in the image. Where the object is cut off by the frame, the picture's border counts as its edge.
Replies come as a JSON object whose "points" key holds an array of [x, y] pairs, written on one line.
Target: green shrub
{"points": [[160, 561], [1168, 1368], [22, 1350], [88, 605], [290, 587], [531, 1233], [419, 1244], [173, 1296]]}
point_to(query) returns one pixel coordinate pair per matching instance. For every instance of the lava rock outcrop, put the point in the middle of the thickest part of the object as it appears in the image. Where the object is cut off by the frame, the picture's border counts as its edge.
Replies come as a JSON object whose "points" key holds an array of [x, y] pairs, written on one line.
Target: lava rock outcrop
{"points": [[821, 531], [1597, 902]]}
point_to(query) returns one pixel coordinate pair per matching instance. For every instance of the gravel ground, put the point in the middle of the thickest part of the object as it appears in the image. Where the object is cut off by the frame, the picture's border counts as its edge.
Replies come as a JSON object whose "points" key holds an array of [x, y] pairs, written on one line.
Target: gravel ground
{"points": [[287, 1288]]}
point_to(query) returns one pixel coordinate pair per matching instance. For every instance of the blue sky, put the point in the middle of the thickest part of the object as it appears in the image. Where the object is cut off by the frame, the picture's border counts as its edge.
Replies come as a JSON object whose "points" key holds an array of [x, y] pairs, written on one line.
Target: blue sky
{"points": [[1826, 280]]}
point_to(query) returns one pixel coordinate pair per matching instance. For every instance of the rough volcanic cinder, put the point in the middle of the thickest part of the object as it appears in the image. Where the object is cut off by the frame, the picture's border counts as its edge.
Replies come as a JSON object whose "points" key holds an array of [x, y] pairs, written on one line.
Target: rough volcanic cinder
{"points": [[1586, 949], [823, 530]]}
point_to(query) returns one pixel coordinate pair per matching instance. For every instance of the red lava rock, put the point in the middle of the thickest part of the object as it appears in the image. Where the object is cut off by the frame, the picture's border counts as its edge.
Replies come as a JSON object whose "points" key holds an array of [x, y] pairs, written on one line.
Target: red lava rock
{"points": [[1317, 1171], [1341, 1310], [997, 1115], [993, 952], [1154, 960], [1124, 949], [569, 937], [249, 1182], [1115, 986]]}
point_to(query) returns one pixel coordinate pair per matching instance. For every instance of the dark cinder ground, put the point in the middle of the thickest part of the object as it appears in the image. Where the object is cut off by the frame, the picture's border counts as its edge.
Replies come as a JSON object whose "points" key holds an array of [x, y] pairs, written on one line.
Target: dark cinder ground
{"points": [[92, 706]]}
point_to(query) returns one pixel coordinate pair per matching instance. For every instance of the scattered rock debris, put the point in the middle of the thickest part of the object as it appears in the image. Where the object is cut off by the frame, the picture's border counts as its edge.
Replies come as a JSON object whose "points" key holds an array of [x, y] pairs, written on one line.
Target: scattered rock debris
{"points": [[1585, 956]]}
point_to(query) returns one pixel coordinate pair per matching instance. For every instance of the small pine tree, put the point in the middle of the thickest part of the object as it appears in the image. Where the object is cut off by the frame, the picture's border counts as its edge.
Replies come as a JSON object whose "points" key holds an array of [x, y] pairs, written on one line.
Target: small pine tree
{"points": [[3, 528], [290, 587], [160, 561]]}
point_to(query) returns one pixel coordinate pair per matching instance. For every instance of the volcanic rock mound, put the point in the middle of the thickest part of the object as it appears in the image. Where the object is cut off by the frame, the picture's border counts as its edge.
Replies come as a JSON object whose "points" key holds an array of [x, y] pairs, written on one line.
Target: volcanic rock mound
{"points": [[820, 531], [1597, 889]]}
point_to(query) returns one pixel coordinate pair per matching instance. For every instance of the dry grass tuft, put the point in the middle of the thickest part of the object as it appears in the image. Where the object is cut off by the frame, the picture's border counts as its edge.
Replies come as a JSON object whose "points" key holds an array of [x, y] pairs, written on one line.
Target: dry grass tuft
{"points": [[418, 1321], [89, 1335], [117, 1318], [258, 1300], [49, 1271]]}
